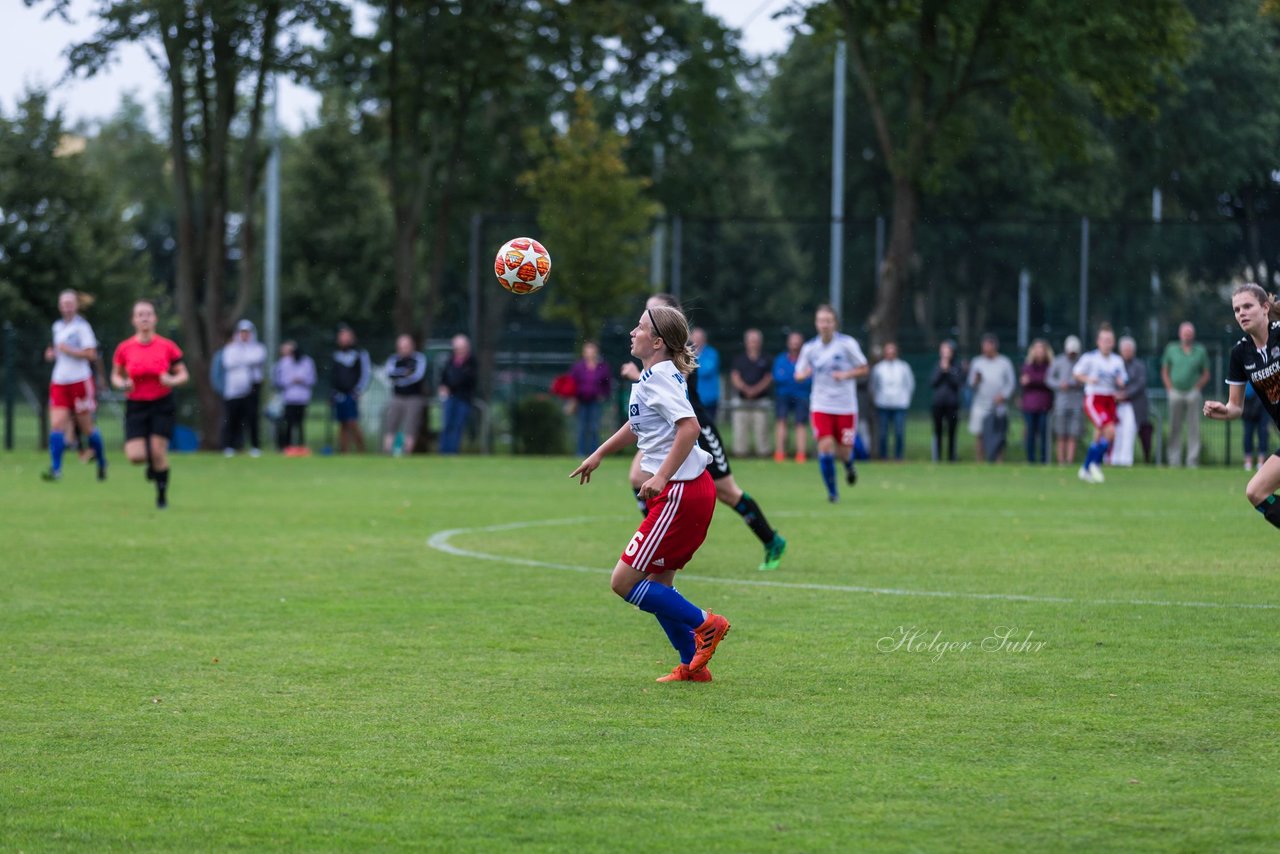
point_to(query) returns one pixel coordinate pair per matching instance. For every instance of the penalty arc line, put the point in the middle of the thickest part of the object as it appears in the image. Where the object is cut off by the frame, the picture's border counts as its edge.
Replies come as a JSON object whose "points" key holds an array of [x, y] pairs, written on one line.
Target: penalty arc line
{"points": [[441, 541]]}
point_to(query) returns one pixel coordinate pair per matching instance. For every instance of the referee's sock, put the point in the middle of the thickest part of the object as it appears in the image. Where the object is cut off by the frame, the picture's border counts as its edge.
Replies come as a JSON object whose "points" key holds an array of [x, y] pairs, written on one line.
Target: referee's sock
{"points": [[1270, 510], [665, 602], [827, 465], [57, 445], [162, 488], [681, 637], [751, 513]]}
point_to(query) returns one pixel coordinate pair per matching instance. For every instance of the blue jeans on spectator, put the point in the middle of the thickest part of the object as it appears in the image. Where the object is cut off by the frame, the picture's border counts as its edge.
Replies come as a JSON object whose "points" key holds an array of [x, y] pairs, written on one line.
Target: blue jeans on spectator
{"points": [[1037, 436], [455, 420], [898, 418], [588, 426], [1255, 428]]}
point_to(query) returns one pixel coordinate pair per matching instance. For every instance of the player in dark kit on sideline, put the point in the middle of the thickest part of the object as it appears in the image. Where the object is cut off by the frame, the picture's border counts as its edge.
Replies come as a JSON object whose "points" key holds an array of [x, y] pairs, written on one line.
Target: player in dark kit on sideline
{"points": [[1255, 359], [727, 489], [147, 368], [677, 490]]}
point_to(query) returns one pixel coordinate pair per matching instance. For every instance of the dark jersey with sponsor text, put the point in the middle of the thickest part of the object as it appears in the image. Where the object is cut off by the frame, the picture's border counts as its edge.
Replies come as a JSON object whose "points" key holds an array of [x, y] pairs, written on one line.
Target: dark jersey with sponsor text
{"points": [[1260, 367]]}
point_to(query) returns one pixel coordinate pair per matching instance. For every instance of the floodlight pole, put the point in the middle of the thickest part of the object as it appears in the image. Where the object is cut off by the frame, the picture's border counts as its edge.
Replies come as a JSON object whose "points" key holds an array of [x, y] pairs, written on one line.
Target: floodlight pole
{"points": [[1157, 214], [1084, 278], [837, 180], [271, 241]]}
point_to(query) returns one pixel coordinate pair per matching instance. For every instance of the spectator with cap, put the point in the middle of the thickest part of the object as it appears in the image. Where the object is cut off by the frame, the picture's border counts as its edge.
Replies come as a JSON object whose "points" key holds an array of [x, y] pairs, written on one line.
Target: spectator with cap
{"points": [[244, 363], [1068, 401]]}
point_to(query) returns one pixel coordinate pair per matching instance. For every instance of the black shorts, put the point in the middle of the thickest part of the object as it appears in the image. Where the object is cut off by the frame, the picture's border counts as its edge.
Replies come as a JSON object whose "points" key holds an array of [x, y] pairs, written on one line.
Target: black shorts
{"points": [[709, 440], [143, 418]]}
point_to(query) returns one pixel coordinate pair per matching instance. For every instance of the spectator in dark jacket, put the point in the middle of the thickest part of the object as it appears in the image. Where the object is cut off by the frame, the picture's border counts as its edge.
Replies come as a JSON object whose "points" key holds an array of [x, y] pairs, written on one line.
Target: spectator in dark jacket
{"points": [[592, 386], [406, 370], [947, 382], [348, 378], [457, 388], [1037, 400]]}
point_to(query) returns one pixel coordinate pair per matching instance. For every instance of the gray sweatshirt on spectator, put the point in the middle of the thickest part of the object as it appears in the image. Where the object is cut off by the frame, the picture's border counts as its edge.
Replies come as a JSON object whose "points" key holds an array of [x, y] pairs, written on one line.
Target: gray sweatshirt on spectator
{"points": [[1071, 397]]}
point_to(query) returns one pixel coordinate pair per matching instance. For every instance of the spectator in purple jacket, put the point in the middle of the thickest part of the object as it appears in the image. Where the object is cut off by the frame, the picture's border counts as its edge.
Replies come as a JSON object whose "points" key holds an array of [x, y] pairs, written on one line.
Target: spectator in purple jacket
{"points": [[1037, 400], [294, 376], [593, 384]]}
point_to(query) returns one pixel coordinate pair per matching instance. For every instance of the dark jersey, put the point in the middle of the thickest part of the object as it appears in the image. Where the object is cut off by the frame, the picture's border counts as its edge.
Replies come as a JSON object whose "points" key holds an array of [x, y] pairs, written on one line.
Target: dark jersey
{"points": [[1260, 367]]}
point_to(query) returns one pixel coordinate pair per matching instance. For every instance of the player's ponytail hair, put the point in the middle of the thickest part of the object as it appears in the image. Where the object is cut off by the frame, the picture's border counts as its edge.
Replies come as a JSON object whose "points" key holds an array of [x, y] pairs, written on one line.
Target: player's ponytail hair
{"points": [[672, 327]]}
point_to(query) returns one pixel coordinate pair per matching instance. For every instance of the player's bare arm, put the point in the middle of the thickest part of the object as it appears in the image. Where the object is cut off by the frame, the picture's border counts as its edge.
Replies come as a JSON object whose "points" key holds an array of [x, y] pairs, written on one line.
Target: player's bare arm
{"points": [[686, 435], [1229, 411]]}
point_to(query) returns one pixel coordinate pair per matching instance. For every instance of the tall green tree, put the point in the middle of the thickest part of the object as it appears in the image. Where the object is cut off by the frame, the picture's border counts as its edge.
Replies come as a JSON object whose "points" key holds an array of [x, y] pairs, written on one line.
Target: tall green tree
{"points": [[918, 64], [216, 58], [59, 225], [594, 217]]}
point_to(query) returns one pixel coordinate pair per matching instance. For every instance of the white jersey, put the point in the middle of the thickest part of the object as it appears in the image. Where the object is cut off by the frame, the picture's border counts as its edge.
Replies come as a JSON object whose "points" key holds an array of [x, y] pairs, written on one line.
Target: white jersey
{"points": [[658, 401], [78, 335], [830, 395], [1106, 373]]}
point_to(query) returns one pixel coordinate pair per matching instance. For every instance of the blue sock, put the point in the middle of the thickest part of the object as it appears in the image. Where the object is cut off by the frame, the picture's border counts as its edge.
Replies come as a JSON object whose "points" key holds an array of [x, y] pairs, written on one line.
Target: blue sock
{"points": [[681, 637], [99, 452], [1097, 451], [665, 602], [57, 444], [827, 465]]}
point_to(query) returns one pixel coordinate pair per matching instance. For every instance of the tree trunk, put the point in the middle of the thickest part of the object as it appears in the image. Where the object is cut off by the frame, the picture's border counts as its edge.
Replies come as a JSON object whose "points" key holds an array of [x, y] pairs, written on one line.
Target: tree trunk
{"points": [[896, 269], [405, 256]]}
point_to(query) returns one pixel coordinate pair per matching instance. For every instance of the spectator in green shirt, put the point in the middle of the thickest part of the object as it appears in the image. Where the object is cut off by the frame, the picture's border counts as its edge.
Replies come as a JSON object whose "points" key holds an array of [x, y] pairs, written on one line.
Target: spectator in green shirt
{"points": [[1185, 370]]}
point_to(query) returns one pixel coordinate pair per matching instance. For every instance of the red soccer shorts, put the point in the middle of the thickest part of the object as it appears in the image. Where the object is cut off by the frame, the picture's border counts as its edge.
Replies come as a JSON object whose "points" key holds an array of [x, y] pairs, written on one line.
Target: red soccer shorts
{"points": [[78, 397], [1101, 409], [840, 427], [676, 525]]}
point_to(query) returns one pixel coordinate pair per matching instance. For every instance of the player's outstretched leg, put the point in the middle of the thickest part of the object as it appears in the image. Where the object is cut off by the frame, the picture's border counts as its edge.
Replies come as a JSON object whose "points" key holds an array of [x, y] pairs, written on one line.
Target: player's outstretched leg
{"points": [[1261, 490], [728, 491]]}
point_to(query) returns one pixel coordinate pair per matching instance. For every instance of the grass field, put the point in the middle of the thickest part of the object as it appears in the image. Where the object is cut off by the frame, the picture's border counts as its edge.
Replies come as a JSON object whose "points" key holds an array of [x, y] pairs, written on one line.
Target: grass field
{"points": [[352, 654]]}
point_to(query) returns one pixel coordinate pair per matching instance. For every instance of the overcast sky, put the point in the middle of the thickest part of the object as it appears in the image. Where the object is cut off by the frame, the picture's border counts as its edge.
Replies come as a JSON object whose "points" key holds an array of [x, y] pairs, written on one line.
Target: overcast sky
{"points": [[32, 54]]}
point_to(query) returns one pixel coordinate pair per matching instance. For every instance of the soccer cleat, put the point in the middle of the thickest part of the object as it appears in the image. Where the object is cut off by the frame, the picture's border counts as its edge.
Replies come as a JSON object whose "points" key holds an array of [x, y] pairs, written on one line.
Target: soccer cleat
{"points": [[102, 472], [850, 475], [1095, 472], [1084, 475], [833, 497], [680, 673], [773, 552], [800, 458], [707, 637], [779, 456], [51, 476]]}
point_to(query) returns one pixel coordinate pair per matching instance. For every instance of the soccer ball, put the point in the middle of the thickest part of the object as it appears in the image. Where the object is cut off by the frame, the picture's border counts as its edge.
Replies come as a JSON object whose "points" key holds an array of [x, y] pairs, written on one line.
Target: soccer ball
{"points": [[523, 265]]}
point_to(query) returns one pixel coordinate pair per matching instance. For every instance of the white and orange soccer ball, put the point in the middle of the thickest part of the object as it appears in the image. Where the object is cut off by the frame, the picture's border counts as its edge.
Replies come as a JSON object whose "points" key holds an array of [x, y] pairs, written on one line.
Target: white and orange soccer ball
{"points": [[523, 265]]}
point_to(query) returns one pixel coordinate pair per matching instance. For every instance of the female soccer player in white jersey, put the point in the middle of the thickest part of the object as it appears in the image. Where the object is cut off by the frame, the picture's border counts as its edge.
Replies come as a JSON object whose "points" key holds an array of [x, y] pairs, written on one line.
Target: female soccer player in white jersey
{"points": [[71, 391], [1102, 373], [679, 492], [727, 489], [835, 361], [1255, 359]]}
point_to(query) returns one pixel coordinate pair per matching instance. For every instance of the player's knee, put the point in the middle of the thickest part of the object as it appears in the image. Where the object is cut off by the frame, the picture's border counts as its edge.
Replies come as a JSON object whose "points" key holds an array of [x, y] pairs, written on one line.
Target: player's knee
{"points": [[1256, 493]]}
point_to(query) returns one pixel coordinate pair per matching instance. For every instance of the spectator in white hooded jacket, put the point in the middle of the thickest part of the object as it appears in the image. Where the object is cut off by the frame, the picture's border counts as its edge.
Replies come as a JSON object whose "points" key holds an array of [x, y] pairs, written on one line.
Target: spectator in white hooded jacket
{"points": [[892, 385], [244, 362]]}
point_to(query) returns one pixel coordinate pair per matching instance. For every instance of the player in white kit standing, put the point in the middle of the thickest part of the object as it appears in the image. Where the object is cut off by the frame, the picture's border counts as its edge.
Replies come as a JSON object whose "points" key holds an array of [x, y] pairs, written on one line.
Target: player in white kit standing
{"points": [[835, 361]]}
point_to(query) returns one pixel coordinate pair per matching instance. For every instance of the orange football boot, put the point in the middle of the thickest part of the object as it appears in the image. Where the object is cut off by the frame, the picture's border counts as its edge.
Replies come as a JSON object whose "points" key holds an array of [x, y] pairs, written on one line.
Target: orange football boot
{"points": [[680, 673], [708, 637]]}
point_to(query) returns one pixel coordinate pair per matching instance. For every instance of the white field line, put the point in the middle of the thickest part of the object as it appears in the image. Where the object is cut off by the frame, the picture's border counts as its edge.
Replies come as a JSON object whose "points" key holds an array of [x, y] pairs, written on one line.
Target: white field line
{"points": [[441, 541]]}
